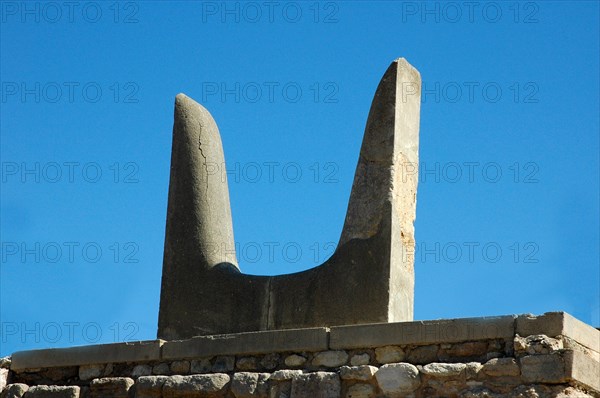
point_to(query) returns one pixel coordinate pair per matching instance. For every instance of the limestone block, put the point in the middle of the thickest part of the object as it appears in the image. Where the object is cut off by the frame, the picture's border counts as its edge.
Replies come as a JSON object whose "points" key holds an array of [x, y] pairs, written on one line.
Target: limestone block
{"points": [[444, 369], [182, 386], [5, 362], [161, 369], [149, 386], [422, 333], [248, 385], [294, 360], [180, 367], [285, 374], [548, 368], [316, 385], [52, 392], [361, 391], [200, 366], [423, 355], [398, 379], [141, 370], [536, 344], [223, 364], [363, 372], [554, 324], [251, 343], [270, 361], [501, 367], [330, 359], [360, 359], [3, 378], [92, 354], [247, 364], [114, 387], [472, 370], [89, 372], [583, 368], [389, 354], [16, 390]]}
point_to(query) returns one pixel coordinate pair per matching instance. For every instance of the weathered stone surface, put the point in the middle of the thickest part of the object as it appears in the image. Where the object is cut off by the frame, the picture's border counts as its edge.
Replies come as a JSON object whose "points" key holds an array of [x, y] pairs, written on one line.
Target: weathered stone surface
{"points": [[423, 355], [330, 359], [200, 366], [361, 391], [16, 390], [444, 369], [294, 360], [163, 369], [398, 379], [60, 373], [285, 374], [149, 386], [5, 362], [581, 367], [92, 354], [470, 349], [52, 392], [270, 361], [248, 385], [180, 367], [223, 364], [265, 342], [316, 385], [3, 378], [195, 385], [247, 364], [114, 387], [141, 370], [363, 372], [360, 359], [378, 231], [422, 333], [555, 324], [501, 367], [536, 344], [472, 370], [389, 354], [89, 372], [543, 368]]}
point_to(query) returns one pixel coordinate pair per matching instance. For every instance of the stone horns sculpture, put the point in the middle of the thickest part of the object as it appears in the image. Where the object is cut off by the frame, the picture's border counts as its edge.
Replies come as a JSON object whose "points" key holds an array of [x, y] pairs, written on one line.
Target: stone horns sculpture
{"points": [[368, 279]]}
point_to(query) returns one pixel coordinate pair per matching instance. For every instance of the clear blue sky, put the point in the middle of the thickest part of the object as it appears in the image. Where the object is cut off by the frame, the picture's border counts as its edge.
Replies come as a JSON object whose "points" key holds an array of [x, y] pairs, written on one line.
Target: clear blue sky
{"points": [[508, 201]]}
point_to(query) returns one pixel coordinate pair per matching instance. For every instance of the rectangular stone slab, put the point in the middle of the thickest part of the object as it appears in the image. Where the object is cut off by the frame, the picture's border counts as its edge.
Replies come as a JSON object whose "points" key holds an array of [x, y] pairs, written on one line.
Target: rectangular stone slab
{"points": [[138, 351], [298, 340], [422, 332], [554, 324]]}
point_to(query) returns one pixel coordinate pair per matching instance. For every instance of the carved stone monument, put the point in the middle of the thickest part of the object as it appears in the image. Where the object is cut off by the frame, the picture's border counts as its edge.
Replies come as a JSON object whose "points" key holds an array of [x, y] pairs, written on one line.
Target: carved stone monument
{"points": [[331, 331], [369, 278]]}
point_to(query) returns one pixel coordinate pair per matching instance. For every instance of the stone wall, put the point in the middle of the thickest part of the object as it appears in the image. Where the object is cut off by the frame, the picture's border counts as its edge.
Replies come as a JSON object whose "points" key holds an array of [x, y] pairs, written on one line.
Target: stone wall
{"points": [[553, 355]]}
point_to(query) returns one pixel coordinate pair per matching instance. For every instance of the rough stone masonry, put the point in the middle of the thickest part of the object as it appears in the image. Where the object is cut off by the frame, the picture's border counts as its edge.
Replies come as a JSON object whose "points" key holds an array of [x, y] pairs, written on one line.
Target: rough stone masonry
{"points": [[553, 355], [369, 278]]}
